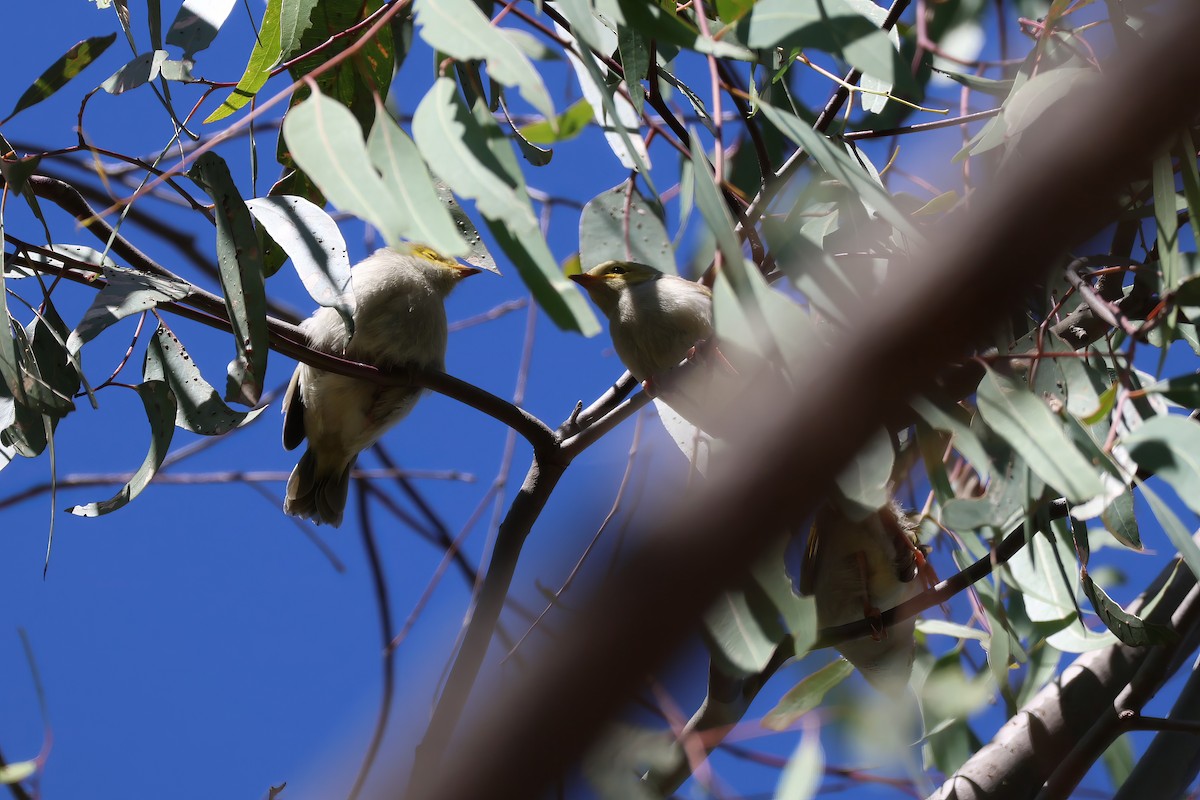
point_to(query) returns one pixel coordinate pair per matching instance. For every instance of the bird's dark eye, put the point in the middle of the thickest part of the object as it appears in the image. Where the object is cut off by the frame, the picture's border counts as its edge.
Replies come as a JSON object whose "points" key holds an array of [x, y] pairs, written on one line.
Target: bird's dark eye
{"points": [[617, 271]]}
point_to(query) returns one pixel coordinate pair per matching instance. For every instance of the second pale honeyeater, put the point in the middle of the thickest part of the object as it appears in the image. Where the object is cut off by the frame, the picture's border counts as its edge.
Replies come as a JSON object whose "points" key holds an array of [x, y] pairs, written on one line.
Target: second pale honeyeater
{"points": [[854, 569], [399, 320], [656, 321]]}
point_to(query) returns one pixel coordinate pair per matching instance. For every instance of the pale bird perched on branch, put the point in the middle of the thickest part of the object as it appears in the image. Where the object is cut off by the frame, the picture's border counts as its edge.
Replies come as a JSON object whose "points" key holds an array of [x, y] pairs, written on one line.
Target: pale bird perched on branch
{"points": [[856, 570], [658, 320], [400, 320]]}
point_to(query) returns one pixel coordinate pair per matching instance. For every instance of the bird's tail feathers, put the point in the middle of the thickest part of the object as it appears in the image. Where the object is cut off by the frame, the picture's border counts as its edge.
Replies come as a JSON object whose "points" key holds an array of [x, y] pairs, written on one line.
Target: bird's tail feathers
{"points": [[318, 490]]}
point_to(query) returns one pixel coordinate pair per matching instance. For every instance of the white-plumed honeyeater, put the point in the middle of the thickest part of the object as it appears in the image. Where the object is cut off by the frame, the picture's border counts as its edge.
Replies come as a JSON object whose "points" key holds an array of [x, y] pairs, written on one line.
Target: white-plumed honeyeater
{"points": [[857, 569], [658, 320], [400, 320]]}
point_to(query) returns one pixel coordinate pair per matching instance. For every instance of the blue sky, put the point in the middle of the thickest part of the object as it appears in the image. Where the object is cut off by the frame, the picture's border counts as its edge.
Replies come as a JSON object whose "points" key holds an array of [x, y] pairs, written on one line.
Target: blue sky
{"points": [[196, 643]]}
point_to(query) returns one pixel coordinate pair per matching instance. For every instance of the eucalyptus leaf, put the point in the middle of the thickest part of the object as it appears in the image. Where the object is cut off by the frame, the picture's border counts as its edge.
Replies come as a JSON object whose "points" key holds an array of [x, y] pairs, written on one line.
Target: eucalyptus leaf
{"points": [[125, 292], [460, 145], [265, 55], [740, 644], [159, 402], [199, 407], [840, 166], [807, 695], [239, 257], [1024, 421], [1129, 628], [197, 24], [460, 29], [1169, 447], [801, 778], [313, 242], [64, 69], [621, 225]]}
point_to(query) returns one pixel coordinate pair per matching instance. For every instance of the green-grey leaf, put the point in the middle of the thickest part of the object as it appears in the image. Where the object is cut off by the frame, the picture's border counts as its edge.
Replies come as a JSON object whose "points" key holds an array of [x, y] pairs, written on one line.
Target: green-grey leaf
{"points": [[1024, 421], [1184, 389], [965, 440], [312, 240], [807, 695], [427, 220], [1044, 571], [326, 141], [200, 410], [1130, 629], [460, 148], [1180, 536], [864, 482], [159, 402], [569, 124], [460, 29], [635, 61], [66, 67], [739, 644], [802, 776], [619, 224], [1169, 447], [1121, 522], [295, 17], [478, 255], [712, 207], [840, 166], [140, 70], [126, 292], [239, 256], [197, 24], [828, 25]]}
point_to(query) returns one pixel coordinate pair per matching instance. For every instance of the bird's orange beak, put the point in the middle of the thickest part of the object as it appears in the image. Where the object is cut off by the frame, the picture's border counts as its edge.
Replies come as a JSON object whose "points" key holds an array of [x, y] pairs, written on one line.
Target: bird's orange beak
{"points": [[465, 272]]}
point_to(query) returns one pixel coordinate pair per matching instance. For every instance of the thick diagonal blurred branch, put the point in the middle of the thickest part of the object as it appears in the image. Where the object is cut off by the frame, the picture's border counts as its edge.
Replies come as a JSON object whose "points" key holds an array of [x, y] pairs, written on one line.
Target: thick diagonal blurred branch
{"points": [[1063, 186]]}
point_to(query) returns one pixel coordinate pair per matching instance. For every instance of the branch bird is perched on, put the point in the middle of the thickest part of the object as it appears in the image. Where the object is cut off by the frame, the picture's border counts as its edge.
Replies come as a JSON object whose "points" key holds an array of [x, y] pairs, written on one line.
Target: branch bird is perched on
{"points": [[400, 320]]}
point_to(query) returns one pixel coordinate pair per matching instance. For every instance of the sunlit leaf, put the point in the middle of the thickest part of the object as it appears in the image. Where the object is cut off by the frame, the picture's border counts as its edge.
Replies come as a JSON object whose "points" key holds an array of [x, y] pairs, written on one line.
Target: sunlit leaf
{"points": [[1169, 447], [1026, 423], [458, 146], [197, 24], [313, 242], [460, 29], [424, 218], [68, 66], [570, 124], [807, 695], [263, 57]]}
